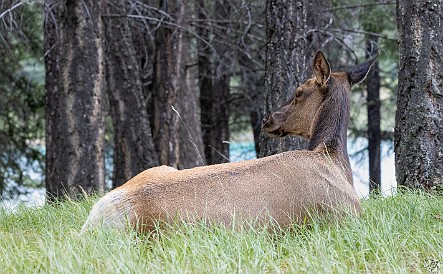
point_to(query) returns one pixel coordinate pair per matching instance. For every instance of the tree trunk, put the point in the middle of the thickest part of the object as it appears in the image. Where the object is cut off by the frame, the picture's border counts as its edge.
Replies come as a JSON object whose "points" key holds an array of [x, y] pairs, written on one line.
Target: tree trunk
{"points": [[74, 105], [53, 115], [134, 149], [419, 117], [214, 84], [373, 108], [220, 97], [255, 93], [191, 143], [318, 18], [285, 64], [204, 78], [169, 78], [252, 79], [143, 40], [220, 127]]}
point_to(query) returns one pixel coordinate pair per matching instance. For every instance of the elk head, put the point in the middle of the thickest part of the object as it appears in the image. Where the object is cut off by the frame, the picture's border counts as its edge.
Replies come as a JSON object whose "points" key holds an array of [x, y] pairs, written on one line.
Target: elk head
{"points": [[296, 116]]}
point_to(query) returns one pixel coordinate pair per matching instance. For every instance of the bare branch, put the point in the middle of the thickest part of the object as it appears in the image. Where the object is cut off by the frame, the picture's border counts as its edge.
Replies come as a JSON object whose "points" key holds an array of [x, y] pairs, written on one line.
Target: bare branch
{"points": [[161, 21], [12, 8], [359, 6], [366, 33]]}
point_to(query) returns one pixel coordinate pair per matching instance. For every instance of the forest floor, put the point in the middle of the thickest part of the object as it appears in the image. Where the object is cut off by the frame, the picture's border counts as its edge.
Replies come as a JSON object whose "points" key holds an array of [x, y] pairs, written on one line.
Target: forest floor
{"points": [[396, 234]]}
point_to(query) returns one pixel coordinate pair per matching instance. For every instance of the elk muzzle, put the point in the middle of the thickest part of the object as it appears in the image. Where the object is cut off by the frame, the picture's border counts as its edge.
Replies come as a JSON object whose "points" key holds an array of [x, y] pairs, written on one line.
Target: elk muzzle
{"points": [[272, 128]]}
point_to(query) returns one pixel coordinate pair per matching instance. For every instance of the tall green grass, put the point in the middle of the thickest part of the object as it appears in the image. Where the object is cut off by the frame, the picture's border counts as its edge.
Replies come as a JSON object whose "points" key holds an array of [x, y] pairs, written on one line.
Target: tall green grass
{"points": [[398, 234]]}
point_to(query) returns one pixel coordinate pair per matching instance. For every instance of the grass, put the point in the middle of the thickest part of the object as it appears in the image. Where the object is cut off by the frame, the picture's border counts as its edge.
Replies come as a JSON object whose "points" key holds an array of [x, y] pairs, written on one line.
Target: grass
{"points": [[398, 234]]}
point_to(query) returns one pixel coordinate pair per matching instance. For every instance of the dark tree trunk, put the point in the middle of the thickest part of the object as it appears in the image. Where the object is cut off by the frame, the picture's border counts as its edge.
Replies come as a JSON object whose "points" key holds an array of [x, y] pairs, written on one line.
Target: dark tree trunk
{"points": [[53, 115], [214, 84], [220, 97], [220, 127], [252, 78], [419, 117], [205, 78], [168, 80], [191, 143], [74, 99], [255, 93], [318, 18], [134, 149], [374, 132], [285, 64], [143, 40]]}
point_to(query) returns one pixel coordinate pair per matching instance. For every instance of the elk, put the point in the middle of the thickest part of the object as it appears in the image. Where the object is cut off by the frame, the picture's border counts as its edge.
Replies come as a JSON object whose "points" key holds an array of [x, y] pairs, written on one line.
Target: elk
{"points": [[283, 188]]}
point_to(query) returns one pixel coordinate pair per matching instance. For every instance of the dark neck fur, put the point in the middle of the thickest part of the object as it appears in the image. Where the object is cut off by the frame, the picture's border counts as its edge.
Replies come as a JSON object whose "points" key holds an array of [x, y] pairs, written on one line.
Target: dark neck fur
{"points": [[329, 133]]}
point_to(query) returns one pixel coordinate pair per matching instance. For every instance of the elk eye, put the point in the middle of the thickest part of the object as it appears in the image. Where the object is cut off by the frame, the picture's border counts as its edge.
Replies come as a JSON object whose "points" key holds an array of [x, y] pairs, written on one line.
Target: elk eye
{"points": [[298, 94]]}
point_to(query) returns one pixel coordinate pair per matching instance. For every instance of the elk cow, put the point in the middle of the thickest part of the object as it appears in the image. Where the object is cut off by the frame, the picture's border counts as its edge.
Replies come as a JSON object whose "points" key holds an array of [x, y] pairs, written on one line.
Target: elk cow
{"points": [[284, 187]]}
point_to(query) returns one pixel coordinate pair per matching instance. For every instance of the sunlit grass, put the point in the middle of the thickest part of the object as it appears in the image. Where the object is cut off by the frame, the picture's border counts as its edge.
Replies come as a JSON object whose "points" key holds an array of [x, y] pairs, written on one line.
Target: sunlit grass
{"points": [[397, 234]]}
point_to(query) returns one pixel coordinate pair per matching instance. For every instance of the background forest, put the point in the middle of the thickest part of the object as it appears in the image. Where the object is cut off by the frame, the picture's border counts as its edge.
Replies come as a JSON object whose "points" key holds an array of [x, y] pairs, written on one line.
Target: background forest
{"points": [[97, 92]]}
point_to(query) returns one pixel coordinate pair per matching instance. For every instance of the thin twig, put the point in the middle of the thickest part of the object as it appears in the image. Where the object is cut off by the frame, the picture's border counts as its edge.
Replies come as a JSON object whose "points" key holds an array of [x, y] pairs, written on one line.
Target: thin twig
{"points": [[359, 6], [366, 33], [221, 154], [190, 136], [11, 9], [161, 21]]}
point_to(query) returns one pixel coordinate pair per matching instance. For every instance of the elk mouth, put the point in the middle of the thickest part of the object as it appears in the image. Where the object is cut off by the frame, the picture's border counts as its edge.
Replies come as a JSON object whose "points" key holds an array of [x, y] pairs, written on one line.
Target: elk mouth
{"points": [[276, 132], [272, 128], [279, 133]]}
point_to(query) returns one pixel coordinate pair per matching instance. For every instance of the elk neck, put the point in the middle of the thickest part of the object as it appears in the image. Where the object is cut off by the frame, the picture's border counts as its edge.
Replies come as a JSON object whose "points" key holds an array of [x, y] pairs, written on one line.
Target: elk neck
{"points": [[329, 130]]}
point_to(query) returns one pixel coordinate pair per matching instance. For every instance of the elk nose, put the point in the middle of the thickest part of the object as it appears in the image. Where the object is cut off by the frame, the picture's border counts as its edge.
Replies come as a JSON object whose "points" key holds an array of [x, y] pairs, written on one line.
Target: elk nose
{"points": [[267, 120]]}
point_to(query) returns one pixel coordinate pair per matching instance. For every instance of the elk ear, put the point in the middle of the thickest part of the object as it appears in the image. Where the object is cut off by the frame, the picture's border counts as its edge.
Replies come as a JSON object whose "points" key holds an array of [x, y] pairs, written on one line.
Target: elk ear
{"points": [[321, 69], [359, 73]]}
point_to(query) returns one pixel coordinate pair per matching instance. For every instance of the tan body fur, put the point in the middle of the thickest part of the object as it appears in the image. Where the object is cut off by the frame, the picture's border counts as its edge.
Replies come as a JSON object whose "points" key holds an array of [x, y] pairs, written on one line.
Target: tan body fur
{"points": [[248, 189], [285, 187]]}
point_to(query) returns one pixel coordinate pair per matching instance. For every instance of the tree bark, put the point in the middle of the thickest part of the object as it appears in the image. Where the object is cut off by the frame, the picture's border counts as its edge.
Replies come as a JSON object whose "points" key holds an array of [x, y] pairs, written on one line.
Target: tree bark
{"points": [[143, 40], [318, 19], [285, 64], [255, 93], [252, 79], [220, 97], [169, 77], [191, 143], [74, 105], [220, 127], [53, 115], [419, 116], [134, 149], [204, 78], [373, 110], [214, 83]]}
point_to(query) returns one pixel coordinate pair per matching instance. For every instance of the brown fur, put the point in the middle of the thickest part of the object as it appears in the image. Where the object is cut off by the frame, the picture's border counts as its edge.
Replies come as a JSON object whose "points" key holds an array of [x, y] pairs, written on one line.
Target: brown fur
{"points": [[282, 187]]}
